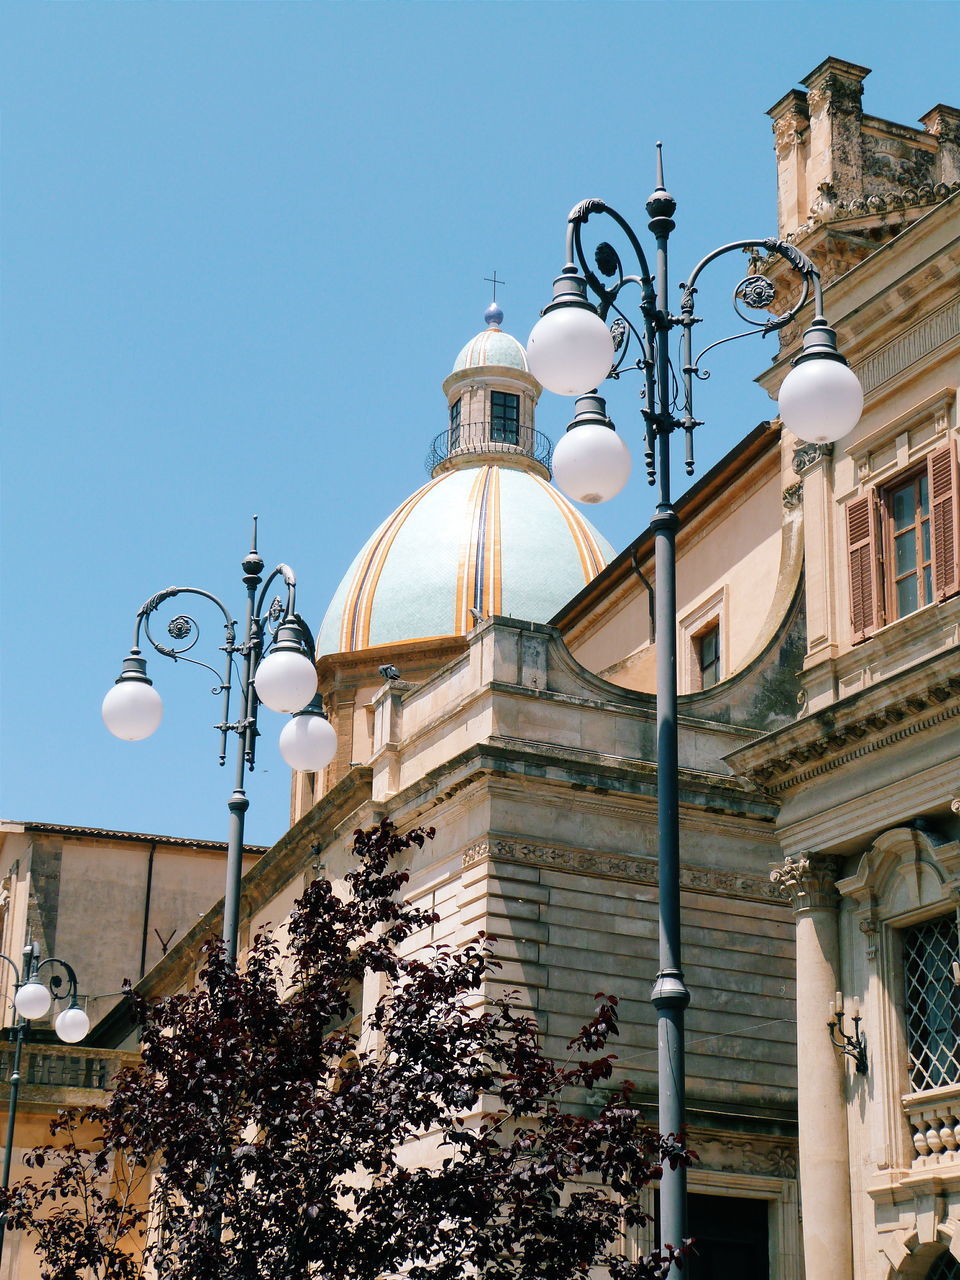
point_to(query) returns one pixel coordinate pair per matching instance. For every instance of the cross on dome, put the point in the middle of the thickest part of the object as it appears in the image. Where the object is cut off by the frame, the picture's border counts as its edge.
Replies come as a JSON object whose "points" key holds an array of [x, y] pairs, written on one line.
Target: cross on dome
{"points": [[493, 316]]}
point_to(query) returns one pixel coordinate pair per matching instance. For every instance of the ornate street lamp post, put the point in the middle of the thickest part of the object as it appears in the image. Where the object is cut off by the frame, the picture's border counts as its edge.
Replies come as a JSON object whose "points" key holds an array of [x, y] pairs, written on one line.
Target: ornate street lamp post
{"points": [[272, 664], [571, 351], [31, 1000]]}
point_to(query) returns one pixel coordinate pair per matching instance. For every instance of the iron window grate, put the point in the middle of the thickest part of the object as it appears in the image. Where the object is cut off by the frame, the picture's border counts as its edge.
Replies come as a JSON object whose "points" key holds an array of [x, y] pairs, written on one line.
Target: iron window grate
{"points": [[946, 1267], [933, 1018]]}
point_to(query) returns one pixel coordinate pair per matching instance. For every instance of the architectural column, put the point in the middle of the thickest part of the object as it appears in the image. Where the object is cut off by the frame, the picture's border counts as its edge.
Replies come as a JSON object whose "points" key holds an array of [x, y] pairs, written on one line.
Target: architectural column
{"points": [[809, 884]]}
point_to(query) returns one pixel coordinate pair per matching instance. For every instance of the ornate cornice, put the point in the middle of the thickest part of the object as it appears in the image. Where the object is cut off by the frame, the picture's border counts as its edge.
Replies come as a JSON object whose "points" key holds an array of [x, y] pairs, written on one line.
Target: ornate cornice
{"points": [[814, 746], [619, 867], [808, 881]]}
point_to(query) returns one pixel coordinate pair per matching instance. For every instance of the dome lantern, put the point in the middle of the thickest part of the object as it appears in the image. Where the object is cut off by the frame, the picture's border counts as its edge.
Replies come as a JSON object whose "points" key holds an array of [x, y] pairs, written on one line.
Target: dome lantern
{"points": [[487, 534]]}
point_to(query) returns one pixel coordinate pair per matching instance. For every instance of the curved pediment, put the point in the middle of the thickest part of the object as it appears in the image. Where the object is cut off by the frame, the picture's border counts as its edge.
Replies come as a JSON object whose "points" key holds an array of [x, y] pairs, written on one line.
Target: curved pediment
{"points": [[903, 870]]}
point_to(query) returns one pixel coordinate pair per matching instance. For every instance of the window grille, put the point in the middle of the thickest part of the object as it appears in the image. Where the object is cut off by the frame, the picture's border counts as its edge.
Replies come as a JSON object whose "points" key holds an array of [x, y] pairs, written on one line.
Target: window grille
{"points": [[946, 1267], [504, 417], [932, 1005], [455, 426]]}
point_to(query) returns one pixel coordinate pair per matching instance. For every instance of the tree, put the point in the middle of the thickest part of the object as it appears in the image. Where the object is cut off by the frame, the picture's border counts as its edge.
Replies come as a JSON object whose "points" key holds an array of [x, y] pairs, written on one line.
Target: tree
{"points": [[280, 1141]]}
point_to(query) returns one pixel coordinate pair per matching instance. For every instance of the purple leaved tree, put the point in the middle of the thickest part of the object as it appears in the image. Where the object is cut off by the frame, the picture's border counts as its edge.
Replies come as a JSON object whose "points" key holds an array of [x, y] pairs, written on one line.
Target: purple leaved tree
{"points": [[266, 1136]]}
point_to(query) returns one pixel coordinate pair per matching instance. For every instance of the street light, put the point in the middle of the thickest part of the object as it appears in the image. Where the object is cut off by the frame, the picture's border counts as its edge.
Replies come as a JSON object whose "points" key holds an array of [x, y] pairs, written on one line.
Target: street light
{"points": [[31, 1000], [272, 664], [820, 401]]}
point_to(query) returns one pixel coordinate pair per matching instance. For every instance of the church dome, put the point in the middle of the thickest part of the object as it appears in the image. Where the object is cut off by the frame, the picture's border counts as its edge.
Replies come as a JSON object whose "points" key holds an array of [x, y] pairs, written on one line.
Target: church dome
{"points": [[475, 541], [491, 347], [487, 534]]}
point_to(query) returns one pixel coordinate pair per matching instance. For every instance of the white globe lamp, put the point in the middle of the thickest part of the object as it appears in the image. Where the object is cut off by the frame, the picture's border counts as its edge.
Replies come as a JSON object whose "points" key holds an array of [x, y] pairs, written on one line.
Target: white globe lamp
{"points": [[286, 679], [308, 742], [32, 1000], [72, 1024], [132, 709], [570, 349], [591, 463], [820, 399]]}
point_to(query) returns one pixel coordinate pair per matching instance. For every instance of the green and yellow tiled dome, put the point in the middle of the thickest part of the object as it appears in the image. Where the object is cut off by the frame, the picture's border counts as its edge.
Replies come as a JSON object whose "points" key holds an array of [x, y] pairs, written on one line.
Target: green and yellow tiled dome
{"points": [[487, 534]]}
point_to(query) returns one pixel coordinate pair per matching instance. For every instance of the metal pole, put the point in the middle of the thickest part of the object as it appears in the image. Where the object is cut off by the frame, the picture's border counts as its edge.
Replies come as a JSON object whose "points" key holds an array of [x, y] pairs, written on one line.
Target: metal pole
{"points": [[22, 1028], [670, 996], [238, 804]]}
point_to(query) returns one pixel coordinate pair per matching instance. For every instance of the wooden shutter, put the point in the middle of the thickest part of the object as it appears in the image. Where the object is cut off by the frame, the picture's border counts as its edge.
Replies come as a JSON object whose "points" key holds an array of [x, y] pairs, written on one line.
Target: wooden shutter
{"points": [[863, 555], [942, 478]]}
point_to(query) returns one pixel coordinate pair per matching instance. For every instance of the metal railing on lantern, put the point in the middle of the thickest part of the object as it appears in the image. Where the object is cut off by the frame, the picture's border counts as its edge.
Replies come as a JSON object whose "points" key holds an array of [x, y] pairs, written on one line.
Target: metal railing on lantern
{"points": [[272, 664], [571, 350], [469, 438]]}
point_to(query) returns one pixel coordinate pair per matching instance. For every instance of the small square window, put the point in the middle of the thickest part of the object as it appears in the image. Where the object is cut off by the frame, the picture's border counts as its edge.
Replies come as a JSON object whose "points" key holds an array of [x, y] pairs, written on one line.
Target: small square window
{"points": [[504, 417]]}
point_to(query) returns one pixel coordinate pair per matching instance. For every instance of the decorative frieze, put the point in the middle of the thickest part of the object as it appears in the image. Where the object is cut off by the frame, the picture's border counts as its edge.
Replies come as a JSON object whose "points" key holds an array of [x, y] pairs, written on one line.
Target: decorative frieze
{"points": [[620, 867], [807, 880], [916, 343], [734, 1153]]}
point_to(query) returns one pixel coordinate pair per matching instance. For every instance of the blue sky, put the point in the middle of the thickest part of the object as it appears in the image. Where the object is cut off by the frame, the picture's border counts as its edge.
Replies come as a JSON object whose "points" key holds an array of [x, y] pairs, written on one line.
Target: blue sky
{"points": [[242, 244]]}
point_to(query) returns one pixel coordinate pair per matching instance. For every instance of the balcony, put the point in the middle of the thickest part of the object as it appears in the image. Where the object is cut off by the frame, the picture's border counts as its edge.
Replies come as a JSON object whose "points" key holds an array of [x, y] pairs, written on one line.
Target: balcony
{"points": [[474, 438], [56, 1075]]}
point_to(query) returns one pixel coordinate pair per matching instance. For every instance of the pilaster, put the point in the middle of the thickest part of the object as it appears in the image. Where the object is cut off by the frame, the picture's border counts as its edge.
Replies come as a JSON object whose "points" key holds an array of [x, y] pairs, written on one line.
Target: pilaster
{"points": [[809, 883]]}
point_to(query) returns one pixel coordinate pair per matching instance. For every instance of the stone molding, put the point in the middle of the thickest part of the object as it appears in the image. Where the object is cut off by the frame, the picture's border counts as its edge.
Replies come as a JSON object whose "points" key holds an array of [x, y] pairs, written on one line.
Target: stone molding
{"points": [[819, 751], [793, 495], [619, 867], [808, 881], [732, 1153], [891, 360]]}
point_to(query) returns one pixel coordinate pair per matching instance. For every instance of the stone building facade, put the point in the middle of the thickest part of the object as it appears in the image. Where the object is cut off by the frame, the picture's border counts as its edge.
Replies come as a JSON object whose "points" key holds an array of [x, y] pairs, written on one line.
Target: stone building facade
{"points": [[818, 621]]}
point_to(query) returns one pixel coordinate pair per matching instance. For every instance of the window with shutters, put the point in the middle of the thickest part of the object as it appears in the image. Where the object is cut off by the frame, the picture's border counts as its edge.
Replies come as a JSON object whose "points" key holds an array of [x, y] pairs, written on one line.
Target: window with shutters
{"points": [[902, 544]]}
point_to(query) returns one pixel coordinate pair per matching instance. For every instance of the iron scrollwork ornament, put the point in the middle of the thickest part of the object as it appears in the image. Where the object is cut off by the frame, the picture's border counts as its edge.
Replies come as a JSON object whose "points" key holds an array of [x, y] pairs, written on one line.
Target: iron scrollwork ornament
{"points": [[179, 628], [756, 292]]}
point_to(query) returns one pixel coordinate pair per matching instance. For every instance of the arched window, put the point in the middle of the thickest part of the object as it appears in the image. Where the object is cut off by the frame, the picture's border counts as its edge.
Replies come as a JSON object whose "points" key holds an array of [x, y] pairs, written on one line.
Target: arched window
{"points": [[946, 1267]]}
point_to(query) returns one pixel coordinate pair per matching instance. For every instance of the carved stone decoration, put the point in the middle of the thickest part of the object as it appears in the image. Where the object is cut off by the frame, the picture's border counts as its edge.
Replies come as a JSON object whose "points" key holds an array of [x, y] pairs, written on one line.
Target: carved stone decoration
{"points": [[733, 1153], [808, 881], [793, 495], [870, 928], [638, 870], [805, 455]]}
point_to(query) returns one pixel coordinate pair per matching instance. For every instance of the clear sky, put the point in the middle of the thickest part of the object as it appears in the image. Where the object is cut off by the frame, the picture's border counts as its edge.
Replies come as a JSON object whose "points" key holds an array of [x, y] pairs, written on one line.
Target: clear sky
{"points": [[242, 244]]}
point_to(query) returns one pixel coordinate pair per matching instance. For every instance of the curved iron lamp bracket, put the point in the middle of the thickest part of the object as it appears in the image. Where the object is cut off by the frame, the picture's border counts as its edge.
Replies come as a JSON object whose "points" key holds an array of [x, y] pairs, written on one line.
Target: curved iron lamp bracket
{"points": [[754, 292], [55, 981]]}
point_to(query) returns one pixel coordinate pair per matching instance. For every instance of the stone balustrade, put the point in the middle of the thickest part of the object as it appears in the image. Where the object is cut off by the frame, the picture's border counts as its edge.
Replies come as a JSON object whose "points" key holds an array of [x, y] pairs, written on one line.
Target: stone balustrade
{"points": [[934, 1120], [60, 1067]]}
